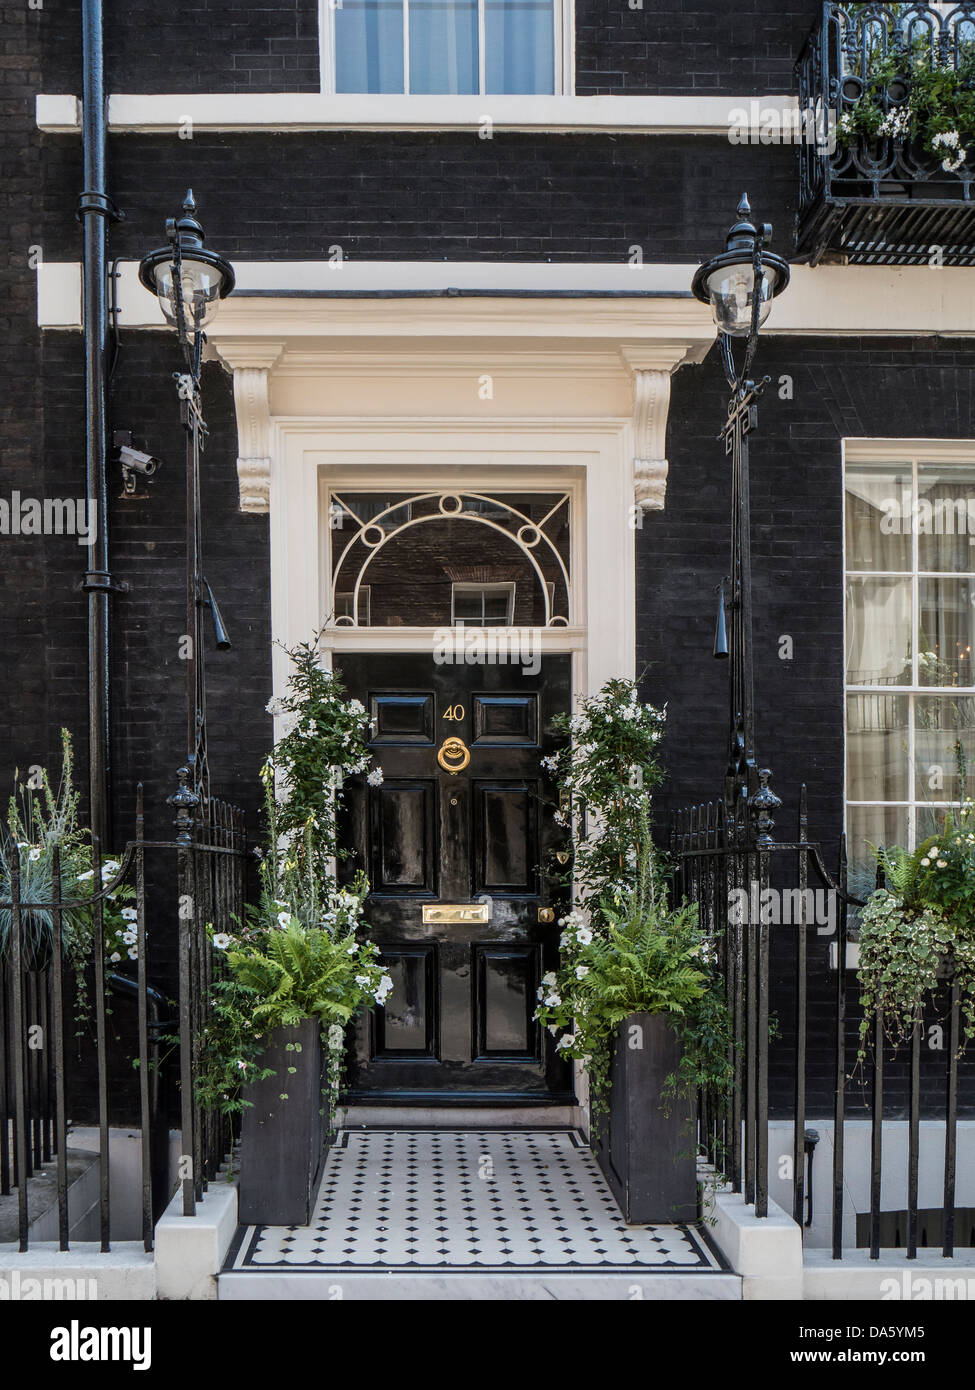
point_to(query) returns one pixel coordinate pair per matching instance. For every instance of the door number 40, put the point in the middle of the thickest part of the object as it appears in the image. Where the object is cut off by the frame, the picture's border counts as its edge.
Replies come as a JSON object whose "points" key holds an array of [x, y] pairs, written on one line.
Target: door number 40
{"points": [[454, 712]]}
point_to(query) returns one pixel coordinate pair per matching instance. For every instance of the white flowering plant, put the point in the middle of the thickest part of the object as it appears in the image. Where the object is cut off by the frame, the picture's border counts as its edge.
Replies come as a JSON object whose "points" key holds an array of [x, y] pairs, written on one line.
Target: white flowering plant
{"points": [[917, 932], [303, 951], [43, 818], [623, 949], [605, 770], [939, 100], [324, 742]]}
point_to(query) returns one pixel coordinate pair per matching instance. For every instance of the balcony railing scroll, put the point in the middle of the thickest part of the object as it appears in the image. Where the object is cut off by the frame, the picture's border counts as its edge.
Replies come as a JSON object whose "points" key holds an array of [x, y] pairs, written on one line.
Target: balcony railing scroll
{"points": [[884, 198]]}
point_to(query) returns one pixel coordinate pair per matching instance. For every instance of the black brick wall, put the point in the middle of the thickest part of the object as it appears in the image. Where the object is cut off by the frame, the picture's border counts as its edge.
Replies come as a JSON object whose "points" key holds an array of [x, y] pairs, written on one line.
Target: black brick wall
{"points": [[207, 46], [446, 196], [703, 47], [698, 46], [407, 196]]}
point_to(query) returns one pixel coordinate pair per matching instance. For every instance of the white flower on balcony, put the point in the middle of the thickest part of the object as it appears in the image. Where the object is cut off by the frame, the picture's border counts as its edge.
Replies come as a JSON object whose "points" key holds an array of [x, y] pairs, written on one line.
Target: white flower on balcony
{"points": [[128, 914], [221, 940], [284, 920]]}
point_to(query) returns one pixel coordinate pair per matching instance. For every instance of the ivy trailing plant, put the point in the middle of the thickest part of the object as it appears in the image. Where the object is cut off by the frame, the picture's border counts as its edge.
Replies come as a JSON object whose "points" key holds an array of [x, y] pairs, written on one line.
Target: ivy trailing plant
{"points": [[624, 950], [42, 819], [302, 952], [918, 932], [937, 105]]}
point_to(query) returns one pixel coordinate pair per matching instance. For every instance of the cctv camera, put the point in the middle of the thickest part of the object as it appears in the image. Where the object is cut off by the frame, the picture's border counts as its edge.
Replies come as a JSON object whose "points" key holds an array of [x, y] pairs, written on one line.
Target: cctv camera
{"points": [[134, 461]]}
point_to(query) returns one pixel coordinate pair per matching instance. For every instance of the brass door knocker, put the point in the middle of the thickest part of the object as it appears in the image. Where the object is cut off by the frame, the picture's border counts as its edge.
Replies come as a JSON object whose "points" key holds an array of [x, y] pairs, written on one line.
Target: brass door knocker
{"points": [[454, 755]]}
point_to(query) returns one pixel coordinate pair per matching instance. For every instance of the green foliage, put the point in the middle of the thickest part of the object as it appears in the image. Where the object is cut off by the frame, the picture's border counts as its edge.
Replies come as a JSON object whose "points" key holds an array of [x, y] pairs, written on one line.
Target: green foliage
{"points": [[302, 951], [323, 744], [919, 931], [940, 102], [40, 821], [605, 771], [637, 955]]}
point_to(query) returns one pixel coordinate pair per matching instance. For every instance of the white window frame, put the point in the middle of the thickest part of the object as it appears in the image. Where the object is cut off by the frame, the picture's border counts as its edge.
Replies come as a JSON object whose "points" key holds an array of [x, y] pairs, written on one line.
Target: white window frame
{"points": [[564, 41], [506, 586], [894, 452]]}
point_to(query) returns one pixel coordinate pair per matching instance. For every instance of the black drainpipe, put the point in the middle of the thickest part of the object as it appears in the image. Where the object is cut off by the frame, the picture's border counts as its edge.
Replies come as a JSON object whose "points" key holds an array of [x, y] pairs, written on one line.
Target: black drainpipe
{"points": [[94, 210]]}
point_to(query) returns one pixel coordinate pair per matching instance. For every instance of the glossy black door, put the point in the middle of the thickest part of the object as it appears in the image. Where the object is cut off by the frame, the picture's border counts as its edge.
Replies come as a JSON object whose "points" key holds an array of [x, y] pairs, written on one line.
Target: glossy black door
{"points": [[458, 1026]]}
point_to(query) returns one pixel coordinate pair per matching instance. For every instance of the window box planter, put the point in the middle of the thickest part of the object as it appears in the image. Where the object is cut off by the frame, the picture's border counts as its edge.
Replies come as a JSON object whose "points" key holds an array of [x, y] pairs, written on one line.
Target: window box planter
{"points": [[647, 1155], [283, 1142]]}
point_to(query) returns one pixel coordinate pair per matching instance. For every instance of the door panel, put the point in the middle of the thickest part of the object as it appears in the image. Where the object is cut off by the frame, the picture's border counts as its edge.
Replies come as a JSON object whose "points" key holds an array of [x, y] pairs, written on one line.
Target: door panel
{"points": [[458, 1026], [506, 844], [404, 838], [505, 719], [507, 978], [406, 1025]]}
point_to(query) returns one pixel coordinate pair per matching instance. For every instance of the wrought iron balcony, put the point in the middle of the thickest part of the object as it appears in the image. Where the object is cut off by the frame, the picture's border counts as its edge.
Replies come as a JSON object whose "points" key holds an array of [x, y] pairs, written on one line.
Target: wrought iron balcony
{"points": [[876, 84]]}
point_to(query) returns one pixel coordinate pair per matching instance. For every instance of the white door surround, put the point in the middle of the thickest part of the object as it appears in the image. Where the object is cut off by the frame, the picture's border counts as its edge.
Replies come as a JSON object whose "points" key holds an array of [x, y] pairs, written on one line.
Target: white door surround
{"points": [[410, 395], [310, 458]]}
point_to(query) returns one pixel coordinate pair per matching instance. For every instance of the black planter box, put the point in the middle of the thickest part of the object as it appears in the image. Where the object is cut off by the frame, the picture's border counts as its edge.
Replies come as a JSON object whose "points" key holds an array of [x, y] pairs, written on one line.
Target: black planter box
{"points": [[283, 1142], [648, 1157]]}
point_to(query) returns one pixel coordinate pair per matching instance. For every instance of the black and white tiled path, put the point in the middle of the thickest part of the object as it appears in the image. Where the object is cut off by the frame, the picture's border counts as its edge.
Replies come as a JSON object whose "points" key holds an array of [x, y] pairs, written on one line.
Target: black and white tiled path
{"points": [[402, 1212]]}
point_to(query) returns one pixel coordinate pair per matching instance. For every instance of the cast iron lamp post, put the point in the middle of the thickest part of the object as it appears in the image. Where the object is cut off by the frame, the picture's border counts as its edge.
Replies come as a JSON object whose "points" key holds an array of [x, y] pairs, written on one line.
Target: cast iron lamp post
{"points": [[740, 284], [189, 281]]}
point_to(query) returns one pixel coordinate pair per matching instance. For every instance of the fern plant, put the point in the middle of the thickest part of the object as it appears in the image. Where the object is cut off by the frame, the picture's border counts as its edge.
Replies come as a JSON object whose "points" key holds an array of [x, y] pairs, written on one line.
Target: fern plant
{"points": [[302, 951], [641, 956]]}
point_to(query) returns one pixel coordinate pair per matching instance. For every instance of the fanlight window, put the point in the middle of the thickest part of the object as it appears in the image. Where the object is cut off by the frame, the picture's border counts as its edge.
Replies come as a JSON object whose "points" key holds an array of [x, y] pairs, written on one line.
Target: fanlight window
{"points": [[438, 558]]}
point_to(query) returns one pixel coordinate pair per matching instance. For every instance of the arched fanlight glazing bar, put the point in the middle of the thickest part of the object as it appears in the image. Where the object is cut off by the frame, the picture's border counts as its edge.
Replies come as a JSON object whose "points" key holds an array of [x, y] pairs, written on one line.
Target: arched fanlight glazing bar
{"points": [[383, 537]]}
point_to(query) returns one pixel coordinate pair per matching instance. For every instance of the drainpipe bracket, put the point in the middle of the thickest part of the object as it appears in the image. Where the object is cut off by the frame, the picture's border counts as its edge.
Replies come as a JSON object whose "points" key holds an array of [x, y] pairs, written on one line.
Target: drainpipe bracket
{"points": [[100, 581], [100, 204]]}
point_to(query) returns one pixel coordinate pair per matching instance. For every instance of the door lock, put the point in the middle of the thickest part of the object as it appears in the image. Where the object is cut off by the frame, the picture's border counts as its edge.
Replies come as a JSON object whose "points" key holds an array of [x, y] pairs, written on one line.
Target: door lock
{"points": [[546, 914]]}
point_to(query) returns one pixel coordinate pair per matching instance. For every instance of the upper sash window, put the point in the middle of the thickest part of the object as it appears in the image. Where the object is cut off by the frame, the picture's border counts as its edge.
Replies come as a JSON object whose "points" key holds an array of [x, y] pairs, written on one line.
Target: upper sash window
{"points": [[445, 47]]}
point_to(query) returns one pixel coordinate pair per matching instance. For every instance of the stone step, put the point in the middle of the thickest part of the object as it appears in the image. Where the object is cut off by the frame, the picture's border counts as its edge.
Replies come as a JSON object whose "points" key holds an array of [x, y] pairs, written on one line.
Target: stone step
{"points": [[623, 1286]]}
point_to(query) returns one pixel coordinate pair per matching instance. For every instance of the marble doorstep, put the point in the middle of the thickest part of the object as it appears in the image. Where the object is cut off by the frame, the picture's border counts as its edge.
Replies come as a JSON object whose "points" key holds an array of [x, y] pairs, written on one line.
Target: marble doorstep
{"points": [[469, 1214]]}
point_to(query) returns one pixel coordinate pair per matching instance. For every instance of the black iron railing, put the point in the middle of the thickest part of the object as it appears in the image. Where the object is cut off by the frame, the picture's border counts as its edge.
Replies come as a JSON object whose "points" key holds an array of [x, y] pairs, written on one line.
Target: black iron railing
{"points": [[884, 199], [721, 876], [53, 1067]]}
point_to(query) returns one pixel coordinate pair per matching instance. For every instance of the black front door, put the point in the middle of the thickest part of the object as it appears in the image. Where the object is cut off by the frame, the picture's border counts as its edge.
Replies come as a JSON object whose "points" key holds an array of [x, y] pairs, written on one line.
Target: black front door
{"points": [[455, 841]]}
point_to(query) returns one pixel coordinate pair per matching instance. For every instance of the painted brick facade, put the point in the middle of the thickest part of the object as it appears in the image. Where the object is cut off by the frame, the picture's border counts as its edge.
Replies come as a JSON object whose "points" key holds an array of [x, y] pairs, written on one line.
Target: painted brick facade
{"points": [[402, 196]]}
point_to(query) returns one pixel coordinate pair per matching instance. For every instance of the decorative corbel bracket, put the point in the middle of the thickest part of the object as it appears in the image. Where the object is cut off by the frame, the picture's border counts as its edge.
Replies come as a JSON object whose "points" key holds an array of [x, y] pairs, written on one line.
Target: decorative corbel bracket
{"points": [[251, 362], [652, 366]]}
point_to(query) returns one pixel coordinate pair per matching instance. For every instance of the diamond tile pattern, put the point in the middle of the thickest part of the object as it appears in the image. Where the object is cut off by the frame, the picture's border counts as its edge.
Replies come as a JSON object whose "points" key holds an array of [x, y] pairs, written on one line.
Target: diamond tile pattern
{"points": [[468, 1200]]}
